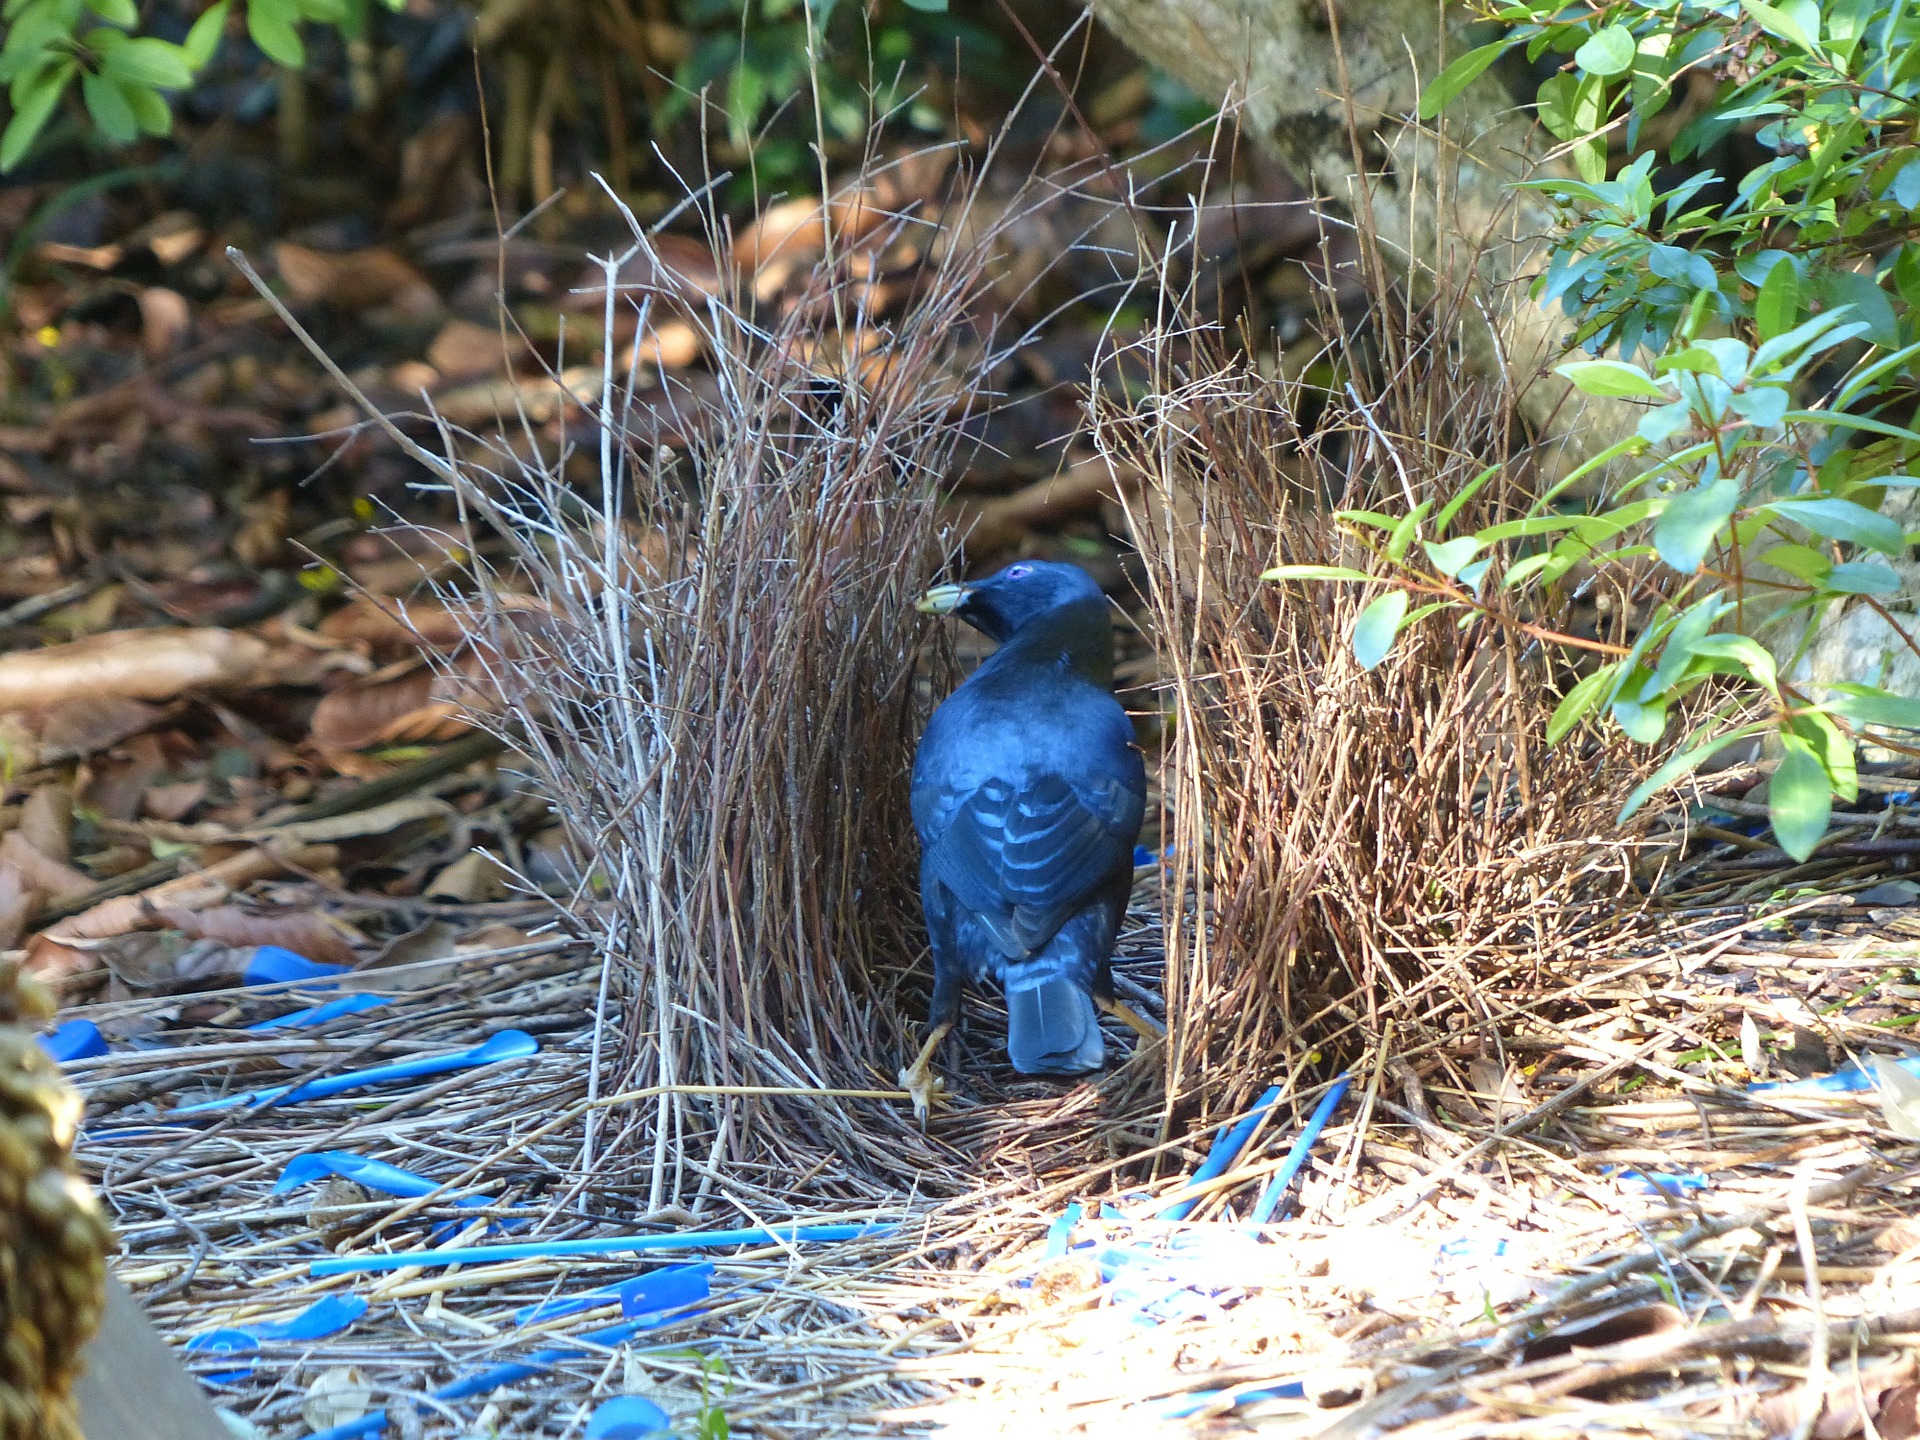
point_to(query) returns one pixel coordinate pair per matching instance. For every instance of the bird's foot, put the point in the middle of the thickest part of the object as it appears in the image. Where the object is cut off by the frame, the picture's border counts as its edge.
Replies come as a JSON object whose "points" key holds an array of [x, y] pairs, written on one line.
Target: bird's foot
{"points": [[919, 1081]]}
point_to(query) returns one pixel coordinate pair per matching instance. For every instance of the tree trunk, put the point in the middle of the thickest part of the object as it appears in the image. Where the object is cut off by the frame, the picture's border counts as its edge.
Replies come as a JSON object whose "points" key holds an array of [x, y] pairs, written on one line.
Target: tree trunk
{"points": [[1434, 204]]}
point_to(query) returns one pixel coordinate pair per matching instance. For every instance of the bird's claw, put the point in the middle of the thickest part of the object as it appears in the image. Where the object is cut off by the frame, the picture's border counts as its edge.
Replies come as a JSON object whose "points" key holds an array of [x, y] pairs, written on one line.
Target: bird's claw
{"points": [[924, 1086]]}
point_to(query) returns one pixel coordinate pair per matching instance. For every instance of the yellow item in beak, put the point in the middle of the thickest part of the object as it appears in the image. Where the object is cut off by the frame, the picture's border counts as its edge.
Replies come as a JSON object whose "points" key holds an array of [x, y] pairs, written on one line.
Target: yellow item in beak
{"points": [[943, 599]]}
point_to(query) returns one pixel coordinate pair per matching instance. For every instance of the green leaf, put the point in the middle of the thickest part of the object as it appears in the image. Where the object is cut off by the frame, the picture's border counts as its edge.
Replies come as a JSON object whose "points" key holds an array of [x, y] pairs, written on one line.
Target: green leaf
{"points": [[1456, 77], [274, 28], [1371, 518], [1579, 702], [1803, 562], [1404, 532], [1688, 527], [1315, 572], [1611, 379], [1375, 627], [33, 102], [1799, 798], [1870, 705], [123, 13], [928, 7], [153, 63], [1835, 752], [1607, 52], [110, 109], [1451, 556], [1834, 519], [1458, 502], [1533, 525], [1777, 306], [1863, 577], [1745, 651], [1795, 21], [1685, 762], [1645, 723], [203, 40]]}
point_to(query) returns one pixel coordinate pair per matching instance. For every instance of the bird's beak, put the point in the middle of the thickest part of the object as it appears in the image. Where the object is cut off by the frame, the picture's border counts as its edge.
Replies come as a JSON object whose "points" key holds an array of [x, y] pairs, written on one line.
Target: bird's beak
{"points": [[943, 599]]}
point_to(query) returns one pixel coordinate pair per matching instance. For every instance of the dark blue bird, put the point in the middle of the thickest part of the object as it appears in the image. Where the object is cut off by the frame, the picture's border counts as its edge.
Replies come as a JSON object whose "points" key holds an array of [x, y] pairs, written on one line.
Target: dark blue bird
{"points": [[1028, 791]]}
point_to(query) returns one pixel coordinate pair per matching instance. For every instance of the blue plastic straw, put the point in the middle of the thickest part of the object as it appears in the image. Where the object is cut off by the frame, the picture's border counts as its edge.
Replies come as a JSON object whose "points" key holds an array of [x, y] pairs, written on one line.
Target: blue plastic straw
{"points": [[600, 1245], [374, 1421], [1276, 1190], [507, 1045], [1226, 1149]]}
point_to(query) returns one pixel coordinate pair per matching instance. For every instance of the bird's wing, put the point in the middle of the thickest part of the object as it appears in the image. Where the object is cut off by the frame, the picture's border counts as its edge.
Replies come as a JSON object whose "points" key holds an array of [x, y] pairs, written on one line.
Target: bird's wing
{"points": [[1024, 858]]}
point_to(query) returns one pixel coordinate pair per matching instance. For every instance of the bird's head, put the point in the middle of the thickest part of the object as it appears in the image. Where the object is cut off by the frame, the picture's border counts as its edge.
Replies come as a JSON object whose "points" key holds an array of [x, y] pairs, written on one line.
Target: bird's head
{"points": [[1005, 601]]}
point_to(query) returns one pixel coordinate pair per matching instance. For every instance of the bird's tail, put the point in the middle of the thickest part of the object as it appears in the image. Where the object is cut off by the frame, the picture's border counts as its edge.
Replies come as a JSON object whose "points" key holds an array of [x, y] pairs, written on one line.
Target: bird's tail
{"points": [[1051, 1027]]}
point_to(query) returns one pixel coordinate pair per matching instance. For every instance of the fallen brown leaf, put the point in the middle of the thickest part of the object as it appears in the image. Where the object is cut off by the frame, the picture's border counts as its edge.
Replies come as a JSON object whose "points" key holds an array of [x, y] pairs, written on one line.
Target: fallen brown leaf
{"points": [[46, 822], [389, 709], [465, 351], [52, 960], [394, 626], [136, 664], [354, 280], [40, 872], [308, 932]]}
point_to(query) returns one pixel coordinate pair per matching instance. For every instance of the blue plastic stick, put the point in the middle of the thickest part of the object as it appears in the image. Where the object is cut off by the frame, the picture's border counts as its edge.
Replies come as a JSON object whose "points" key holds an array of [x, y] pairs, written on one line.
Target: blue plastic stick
{"points": [[270, 964], [507, 1045], [320, 1014], [600, 1245], [675, 1288], [374, 1421], [1226, 1149], [1849, 1079], [1296, 1157]]}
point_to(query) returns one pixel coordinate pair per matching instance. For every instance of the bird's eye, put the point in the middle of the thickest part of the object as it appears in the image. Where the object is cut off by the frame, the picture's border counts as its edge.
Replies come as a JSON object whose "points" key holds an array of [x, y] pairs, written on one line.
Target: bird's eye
{"points": [[1019, 572]]}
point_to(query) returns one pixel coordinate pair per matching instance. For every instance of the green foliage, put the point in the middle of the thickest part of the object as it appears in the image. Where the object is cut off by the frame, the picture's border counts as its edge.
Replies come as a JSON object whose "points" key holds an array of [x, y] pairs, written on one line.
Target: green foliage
{"points": [[124, 78], [758, 60], [1768, 328]]}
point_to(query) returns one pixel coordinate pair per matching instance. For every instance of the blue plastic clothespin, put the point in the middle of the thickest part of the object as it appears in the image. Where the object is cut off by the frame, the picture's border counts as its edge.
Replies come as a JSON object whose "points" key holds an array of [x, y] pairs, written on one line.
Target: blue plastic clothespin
{"points": [[628, 1417], [272, 964]]}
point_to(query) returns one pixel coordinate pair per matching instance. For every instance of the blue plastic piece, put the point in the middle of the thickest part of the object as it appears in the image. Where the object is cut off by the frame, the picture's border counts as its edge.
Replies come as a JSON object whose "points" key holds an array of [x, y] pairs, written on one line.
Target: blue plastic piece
{"points": [[507, 1045], [375, 1421], [270, 964], [320, 1014], [599, 1245], [1183, 1406], [1227, 1146], [1646, 1183], [1276, 1190], [75, 1040], [1849, 1079], [374, 1174], [628, 1417], [675, 1288], [326, 1316], [1060, 1232]]}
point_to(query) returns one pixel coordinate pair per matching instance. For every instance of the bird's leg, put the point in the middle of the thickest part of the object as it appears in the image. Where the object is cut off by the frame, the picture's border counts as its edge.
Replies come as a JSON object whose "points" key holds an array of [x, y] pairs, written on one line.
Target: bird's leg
{"points": [[942, 1015], [918, 1078], [1146, 1029]]}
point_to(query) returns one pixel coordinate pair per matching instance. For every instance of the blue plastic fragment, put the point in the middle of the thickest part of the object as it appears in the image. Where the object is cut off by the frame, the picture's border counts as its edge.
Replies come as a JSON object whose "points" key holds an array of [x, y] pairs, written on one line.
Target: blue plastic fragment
{"points": [[1183, 1406], [628, 1417], [374, 1174], [1466, 1251], [374, 1421], [1060, 1232], [1849, 1079], [271, 964], [320, 1014], [1276, 1190], [507, 1045], [1646, 1183], [326, 1316], [675, 1288], [75, 1040], [598, 1245], [1227, 1146]]}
